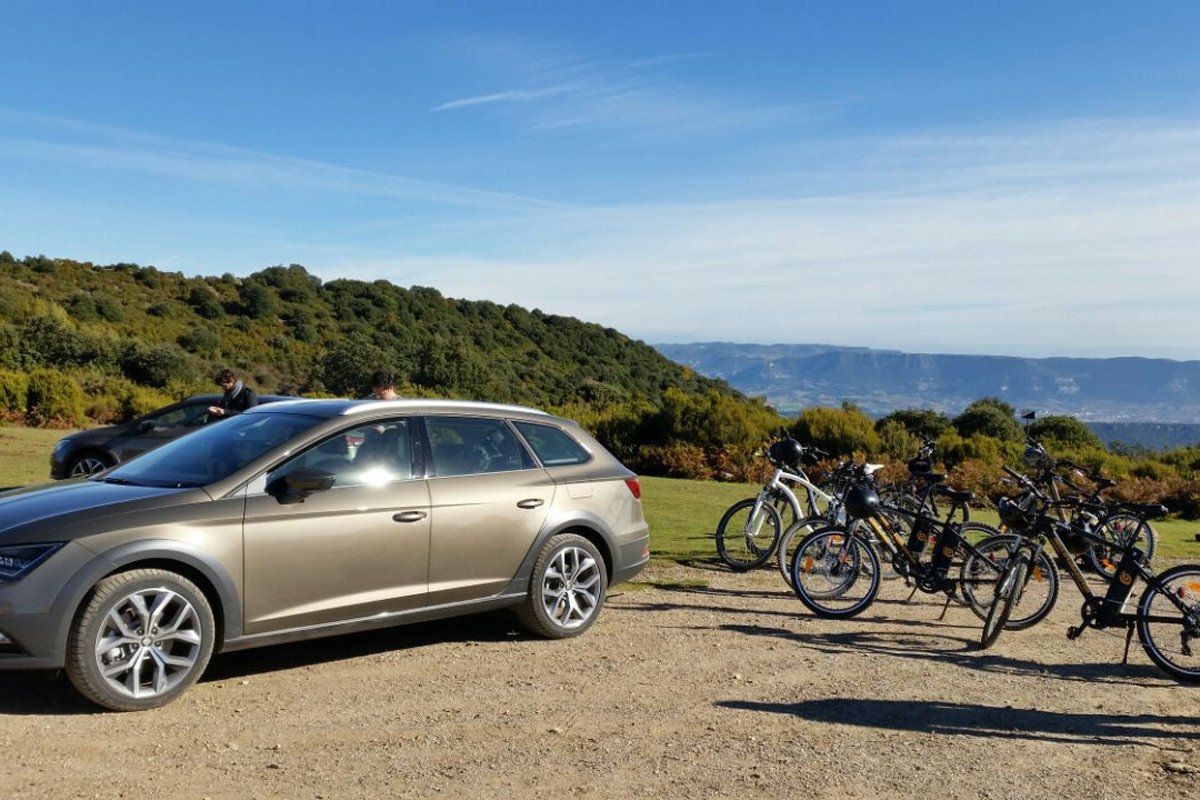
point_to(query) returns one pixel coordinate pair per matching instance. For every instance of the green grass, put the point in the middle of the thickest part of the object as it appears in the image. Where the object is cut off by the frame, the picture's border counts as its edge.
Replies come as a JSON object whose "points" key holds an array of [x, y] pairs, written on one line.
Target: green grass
{"points": [[682, 514], [25, 454]]}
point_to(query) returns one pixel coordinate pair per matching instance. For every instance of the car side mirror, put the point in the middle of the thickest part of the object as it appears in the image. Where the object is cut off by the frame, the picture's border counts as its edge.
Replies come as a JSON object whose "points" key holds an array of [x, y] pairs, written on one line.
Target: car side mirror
{"points": [[146, 426], [298, 484]]}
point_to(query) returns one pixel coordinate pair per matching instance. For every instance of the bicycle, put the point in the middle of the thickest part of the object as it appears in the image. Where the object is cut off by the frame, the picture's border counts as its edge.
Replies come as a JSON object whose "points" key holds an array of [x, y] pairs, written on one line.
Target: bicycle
{"points": [[750, 530], [828, 562], [1178, 589]]}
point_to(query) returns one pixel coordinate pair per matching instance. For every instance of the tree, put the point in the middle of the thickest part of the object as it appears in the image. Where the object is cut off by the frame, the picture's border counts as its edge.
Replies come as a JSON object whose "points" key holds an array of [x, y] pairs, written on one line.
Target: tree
{"points": [[839, 431], [989, 416], [924, 423], [258, 300], [1065, 432]]}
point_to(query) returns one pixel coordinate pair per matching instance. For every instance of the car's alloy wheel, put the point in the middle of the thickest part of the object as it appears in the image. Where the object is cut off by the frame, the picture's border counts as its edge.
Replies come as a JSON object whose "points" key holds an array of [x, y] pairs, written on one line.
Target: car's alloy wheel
{"points": [[567, 589], [571, 587], [143, 638], [88, 465], [148, 643]]}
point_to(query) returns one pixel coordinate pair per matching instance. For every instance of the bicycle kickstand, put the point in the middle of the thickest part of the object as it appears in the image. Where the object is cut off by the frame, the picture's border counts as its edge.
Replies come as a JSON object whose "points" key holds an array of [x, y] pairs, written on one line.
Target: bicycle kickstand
{"points": [[1128, 640], [945, 607]]}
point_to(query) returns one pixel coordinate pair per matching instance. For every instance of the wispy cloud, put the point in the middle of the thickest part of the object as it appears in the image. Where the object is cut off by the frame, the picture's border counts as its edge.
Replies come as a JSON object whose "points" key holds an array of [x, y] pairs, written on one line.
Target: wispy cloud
{"points": [[512, 96], [51, 138], [557, 87]]}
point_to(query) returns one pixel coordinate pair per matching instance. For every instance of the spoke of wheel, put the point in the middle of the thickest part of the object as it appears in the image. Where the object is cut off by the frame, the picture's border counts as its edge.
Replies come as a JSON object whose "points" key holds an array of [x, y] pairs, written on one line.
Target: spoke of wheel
{"points": [[184, 614], [161, 601], [139, 605], [117, 621], [106, 643], [187, 637]]}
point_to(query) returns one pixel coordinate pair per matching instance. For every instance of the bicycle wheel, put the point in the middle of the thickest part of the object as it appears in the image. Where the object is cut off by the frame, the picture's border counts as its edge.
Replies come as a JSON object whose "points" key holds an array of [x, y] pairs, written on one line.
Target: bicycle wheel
{"points": [[1008, 594], [1121, 529], [835, 573], [980, 569], [748, 534], [1173, 646], [792, 536]]}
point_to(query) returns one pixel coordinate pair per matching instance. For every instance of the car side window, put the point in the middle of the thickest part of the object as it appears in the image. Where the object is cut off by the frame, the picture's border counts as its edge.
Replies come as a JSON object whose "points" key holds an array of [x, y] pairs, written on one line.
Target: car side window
{"points": [[191, 415], [473, 446], [369, 455], [554, 447]]}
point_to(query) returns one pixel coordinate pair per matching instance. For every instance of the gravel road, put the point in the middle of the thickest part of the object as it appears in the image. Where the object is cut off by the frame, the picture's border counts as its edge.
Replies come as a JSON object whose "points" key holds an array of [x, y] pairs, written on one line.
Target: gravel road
{"points": [[702, 684]]}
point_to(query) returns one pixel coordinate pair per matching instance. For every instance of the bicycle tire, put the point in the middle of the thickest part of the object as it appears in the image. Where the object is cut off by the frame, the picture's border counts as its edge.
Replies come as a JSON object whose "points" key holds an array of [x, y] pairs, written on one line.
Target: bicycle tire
{"points": [[756, 555], [1160, 654], [1043, 570], [824, 544], [1008, 594]]}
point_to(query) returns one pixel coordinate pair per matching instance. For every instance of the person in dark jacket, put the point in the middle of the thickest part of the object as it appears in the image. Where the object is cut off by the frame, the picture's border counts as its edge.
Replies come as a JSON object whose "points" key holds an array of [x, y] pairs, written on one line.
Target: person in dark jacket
{"points": [[383, 386], [237, 398]]}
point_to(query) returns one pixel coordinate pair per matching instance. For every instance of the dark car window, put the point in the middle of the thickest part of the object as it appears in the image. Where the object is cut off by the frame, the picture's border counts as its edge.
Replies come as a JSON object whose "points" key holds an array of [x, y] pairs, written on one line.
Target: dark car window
{"points": [[191, 415], [369, 455], [471, 446], [554, 447], [215, 452]]}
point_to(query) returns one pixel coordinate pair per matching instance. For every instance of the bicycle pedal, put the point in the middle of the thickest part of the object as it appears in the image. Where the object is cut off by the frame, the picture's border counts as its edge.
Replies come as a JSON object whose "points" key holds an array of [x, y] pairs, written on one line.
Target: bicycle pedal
{"points": [[1074, 632]]}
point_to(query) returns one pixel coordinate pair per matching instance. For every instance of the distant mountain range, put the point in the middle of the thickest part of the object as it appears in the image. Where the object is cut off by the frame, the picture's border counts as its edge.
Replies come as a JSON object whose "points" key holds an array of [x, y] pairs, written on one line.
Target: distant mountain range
{"points": [[1112, 390]]}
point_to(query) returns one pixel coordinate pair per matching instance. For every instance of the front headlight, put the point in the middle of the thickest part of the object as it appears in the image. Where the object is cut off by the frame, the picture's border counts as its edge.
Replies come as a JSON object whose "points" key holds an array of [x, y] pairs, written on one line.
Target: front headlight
{"points": [[19, 560]]}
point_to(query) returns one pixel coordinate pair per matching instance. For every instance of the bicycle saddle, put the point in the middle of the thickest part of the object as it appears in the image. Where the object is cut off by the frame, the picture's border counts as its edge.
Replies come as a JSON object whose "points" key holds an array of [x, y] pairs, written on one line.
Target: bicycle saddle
{"points": [[871, 469], [1150, 510], [956, 496]]}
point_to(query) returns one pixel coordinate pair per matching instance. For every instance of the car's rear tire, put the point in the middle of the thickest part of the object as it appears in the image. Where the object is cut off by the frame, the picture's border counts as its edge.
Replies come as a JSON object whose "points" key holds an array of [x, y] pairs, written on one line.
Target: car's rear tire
{"points": [[140, 640], [567, 589]]}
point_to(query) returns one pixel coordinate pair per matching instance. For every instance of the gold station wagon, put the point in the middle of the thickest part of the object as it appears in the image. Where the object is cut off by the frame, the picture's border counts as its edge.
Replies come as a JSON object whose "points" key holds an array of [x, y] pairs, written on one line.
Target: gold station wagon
{"points": [[310, 518]]}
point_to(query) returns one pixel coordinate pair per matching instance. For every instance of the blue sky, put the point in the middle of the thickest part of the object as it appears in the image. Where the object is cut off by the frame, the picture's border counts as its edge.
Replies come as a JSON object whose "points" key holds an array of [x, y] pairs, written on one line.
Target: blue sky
{"points": [[1019, 178]]}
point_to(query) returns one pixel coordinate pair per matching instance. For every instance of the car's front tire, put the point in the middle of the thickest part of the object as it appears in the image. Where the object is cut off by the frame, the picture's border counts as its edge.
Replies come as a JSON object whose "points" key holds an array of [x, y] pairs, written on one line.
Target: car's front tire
{"points": [[141, 639], [88, 463], [567, 589]]}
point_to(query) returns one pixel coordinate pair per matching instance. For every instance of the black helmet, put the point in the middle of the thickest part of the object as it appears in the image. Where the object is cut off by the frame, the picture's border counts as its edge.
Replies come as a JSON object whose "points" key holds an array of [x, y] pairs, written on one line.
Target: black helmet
{"points": [[786, 453], [920, 466], [1036, 456], [1015, 514], [862, 501]]}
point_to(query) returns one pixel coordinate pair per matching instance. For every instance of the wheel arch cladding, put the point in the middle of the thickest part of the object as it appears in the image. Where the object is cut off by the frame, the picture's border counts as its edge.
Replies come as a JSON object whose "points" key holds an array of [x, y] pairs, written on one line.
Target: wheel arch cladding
{"points": [[209, 576]]}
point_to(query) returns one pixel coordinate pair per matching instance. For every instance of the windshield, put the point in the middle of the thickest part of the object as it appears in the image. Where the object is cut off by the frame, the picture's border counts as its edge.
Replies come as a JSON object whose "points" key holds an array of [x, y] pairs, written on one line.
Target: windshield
{"points": [[212, 453]]}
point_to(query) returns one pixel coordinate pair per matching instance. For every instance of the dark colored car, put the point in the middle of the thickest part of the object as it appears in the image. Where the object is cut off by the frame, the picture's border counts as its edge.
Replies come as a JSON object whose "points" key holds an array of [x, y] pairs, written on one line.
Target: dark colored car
{"points": [[95, 450]]}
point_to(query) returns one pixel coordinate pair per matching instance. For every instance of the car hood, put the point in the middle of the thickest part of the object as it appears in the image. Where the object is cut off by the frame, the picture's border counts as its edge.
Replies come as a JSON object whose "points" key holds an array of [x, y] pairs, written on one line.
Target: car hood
{"points": [[94, 435], [37, 510]]}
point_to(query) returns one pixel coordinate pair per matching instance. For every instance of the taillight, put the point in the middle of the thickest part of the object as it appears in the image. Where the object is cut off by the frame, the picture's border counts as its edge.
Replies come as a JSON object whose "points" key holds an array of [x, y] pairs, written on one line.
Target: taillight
{"points": [[635, 487]]}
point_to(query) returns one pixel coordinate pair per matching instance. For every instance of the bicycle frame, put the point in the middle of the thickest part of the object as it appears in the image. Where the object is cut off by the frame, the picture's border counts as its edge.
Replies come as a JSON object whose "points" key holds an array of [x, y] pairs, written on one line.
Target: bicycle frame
{"points": [[1108, 609], [777, 485]]}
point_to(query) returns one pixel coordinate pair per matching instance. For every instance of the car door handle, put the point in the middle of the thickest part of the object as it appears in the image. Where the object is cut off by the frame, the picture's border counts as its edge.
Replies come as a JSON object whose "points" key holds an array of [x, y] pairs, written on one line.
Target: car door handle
{"points": [[409, 516], [532, 502]]}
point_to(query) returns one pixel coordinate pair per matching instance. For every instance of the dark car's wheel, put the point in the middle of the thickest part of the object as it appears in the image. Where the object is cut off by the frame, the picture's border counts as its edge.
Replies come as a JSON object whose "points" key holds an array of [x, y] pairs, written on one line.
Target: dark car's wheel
{"points": [[88, 463], [141, 640], [567, 590]]}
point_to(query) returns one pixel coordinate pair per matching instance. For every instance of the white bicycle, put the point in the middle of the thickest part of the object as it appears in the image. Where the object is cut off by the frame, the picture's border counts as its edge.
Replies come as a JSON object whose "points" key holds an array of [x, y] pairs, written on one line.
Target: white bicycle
{"points": [[750, 531]]}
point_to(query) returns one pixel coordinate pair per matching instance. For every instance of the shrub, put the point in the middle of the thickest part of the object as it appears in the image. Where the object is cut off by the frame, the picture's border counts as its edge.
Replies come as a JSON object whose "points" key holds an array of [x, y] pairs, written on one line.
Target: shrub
{"points": [[990, 417], [923, 423], [258, 300], [54, 397], [1064, 432], [156, 365], [201, 340], [204, 301], [14, 390], [838, 431], [163, 309], [675, 461]]}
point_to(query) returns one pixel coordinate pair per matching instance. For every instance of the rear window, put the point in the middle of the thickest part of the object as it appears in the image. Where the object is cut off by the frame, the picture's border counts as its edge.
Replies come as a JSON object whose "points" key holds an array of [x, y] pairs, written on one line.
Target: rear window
{"points": [[554, 447]]}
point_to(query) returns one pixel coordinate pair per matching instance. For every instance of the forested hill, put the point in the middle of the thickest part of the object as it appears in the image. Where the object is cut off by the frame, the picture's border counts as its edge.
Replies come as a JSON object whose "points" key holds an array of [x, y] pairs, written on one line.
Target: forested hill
{"points": [[792, 376], [290, 332]]}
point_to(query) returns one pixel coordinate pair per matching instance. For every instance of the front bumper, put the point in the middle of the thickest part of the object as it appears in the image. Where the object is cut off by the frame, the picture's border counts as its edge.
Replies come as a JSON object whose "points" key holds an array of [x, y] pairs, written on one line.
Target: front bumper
{"points": [[36, 611]]}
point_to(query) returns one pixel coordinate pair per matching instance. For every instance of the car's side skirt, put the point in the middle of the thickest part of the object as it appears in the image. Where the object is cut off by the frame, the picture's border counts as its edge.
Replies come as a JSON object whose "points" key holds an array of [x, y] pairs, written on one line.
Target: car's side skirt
{"points": [[374, 622]]}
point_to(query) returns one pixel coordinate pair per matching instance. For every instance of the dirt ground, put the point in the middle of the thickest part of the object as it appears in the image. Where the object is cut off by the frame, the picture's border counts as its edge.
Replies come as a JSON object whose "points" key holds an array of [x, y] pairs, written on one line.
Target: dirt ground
{"points": [[705, 684]]}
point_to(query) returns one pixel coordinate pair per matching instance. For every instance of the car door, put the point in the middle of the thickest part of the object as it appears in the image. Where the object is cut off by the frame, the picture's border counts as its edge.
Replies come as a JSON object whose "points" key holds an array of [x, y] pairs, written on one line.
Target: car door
{"points": [[160, 428], [358, 549], [489, 500]]}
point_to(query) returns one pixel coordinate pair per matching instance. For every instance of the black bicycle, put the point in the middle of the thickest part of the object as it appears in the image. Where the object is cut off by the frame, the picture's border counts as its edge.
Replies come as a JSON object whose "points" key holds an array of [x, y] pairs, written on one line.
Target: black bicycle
{"points": [[1167, 616], [836, 570]]}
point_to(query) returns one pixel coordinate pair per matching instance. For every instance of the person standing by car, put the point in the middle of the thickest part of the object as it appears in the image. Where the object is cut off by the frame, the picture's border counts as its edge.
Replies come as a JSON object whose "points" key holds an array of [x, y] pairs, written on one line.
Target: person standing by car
{"points": [[238, 396], [383, 385]]}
